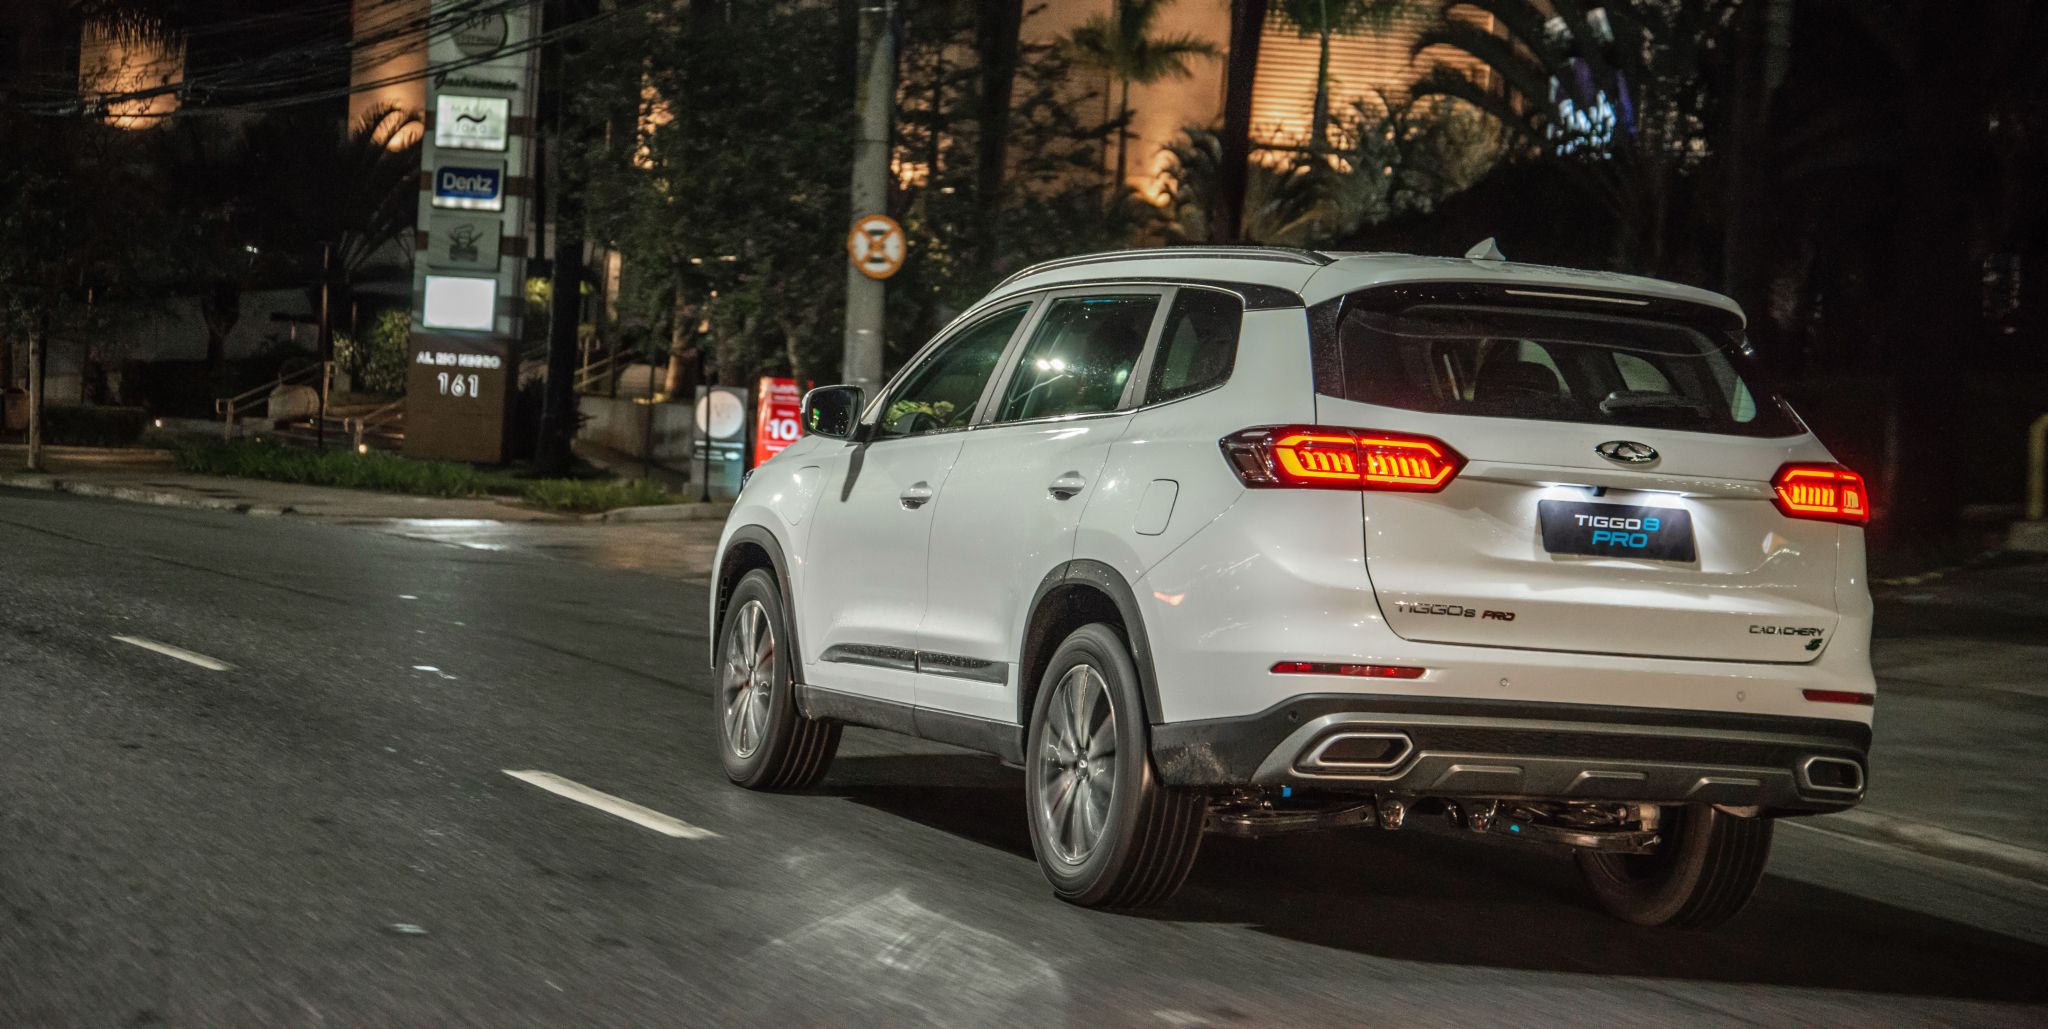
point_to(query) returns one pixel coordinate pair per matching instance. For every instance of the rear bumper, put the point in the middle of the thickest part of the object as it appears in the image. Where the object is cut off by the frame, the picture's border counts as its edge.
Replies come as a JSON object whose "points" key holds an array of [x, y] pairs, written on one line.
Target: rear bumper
{"points": [[1443, 747]]}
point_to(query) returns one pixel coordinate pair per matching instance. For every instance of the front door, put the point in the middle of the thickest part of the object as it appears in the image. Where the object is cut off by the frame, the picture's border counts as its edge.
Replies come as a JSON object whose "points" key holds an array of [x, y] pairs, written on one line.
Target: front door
{"points": [[864, 582], [1017, 491]]}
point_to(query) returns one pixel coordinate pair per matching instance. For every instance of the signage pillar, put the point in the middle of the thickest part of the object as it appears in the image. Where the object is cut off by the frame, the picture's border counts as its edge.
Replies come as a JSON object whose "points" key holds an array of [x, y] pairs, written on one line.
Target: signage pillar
{"points": [[469, 274]]}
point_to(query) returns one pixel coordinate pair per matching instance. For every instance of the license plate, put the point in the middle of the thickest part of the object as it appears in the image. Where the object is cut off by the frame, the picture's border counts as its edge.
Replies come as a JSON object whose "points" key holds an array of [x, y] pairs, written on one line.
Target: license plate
{"points": [[1613, 530]]}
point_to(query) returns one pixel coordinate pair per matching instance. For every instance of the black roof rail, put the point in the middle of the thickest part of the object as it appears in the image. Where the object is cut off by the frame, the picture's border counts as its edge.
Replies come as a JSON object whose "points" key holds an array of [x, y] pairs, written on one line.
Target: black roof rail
{"points": [[1251, 253]]}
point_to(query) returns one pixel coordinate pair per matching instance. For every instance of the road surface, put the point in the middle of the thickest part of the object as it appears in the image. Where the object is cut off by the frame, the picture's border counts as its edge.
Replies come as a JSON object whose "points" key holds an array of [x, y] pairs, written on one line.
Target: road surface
{"points": [[255, 771]]}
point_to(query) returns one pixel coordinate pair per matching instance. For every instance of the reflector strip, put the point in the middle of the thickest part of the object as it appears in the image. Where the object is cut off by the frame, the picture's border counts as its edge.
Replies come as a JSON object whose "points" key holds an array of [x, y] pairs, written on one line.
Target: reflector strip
{"points": [[1840, 697], [1356, 671]]}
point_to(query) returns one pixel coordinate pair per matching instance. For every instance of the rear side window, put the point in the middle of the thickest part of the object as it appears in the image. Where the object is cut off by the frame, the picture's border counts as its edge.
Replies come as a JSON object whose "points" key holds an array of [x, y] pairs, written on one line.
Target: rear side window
{"points": [[1198, 348], [1080, 357], [1552, 366]]}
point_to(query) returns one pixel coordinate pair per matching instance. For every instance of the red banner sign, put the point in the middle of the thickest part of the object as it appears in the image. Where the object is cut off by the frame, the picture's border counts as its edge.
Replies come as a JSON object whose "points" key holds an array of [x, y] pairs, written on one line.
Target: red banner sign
{"points": [[778, 403]]}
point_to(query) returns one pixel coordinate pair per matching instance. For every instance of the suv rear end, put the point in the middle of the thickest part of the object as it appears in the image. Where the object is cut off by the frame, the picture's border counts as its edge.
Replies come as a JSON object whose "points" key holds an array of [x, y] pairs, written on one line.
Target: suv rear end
{"points": [[1528, 545]]}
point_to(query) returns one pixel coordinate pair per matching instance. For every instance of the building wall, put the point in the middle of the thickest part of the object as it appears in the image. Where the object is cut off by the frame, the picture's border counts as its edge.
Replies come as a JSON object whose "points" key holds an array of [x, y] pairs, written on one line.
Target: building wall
{"points": [[108, 65], [1161, 110], [1362, 66], [1368, 67]]}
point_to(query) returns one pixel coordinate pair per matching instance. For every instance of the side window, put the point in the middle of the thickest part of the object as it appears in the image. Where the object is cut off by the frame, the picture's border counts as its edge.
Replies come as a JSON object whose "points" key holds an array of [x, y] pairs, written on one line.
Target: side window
{"points": [[1080, 357], [945, 390], [1198, 348]]}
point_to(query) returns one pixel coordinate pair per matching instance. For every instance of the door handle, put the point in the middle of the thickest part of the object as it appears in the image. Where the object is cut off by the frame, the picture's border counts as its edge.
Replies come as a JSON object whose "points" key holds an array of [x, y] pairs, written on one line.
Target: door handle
{"points": [[1066, 486], [917, 495]]}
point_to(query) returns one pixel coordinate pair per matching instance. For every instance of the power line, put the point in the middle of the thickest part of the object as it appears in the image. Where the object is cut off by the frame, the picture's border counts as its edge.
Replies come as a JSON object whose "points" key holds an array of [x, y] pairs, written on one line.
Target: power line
{"points": [[308, 64]]}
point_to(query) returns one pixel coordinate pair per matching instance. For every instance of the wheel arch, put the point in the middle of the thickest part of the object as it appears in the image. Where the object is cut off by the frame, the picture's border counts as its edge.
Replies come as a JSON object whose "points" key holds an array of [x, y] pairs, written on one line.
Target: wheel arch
{"points": [[1074, 594], [748, 548]]}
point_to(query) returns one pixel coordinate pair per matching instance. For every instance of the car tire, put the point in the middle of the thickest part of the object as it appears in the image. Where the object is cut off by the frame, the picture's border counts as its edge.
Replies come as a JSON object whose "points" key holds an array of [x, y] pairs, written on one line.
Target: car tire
{"points": [[1706, 868], [1145, 834], [764, 742]]}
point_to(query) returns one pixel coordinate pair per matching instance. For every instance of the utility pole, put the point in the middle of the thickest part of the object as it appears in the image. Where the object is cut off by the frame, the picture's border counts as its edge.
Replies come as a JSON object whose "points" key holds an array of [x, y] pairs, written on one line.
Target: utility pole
{"points": [[552, 455], [875, 99], [326, 342], [35, 397]]}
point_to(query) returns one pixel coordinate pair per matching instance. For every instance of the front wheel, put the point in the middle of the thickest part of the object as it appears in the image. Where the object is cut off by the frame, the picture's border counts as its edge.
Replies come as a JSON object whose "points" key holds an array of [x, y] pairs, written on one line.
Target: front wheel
{"points": [[1106, 831], [764, 742], [1704, 870]]}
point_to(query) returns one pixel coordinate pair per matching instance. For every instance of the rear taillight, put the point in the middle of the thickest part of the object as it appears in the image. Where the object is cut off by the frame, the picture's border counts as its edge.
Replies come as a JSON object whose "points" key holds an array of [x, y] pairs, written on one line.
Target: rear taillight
{"points": [[1828, 492], [1320, 457]]}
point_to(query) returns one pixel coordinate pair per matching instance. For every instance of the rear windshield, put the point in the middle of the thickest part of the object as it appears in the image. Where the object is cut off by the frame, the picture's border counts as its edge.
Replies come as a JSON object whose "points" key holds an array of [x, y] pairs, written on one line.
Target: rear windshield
{"points": [[1553, 366]]}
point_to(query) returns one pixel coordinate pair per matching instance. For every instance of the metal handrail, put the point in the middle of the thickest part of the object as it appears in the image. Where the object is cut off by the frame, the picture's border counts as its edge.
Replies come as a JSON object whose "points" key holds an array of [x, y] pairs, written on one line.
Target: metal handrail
{"points": [[226, 406], [594, 372], [375, 417]]}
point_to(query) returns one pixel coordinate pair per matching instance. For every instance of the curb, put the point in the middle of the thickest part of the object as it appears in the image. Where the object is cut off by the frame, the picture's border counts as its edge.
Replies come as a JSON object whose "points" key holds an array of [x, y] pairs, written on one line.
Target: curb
{"points": [[1933, 841], [133, 495], [692, 512]]}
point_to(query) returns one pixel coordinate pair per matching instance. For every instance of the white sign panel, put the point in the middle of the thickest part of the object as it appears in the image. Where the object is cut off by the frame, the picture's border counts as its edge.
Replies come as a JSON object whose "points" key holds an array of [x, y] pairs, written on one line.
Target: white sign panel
{"points": [[472, 122], [460, 303]]}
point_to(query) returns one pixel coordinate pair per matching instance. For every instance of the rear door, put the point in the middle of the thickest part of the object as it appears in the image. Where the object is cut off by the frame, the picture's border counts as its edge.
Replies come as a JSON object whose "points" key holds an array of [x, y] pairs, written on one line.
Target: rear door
{"points": [[1616, 496]]}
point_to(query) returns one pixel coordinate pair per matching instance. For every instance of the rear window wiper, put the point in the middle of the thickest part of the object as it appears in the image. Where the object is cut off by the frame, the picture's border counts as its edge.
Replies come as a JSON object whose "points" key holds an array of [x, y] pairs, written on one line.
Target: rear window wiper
{"points": [[1632, 400]]}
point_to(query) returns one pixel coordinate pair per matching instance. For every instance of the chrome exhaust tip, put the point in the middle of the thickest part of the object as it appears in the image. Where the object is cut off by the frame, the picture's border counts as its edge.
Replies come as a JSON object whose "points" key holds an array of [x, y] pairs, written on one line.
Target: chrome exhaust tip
{"points": [[1835, 775], [1356, 752]]}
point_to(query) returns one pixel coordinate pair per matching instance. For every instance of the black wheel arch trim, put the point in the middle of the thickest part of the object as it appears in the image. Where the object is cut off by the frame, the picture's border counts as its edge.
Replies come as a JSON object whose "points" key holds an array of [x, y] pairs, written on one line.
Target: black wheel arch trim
{"points": [[759, 536], [1111, 583]]}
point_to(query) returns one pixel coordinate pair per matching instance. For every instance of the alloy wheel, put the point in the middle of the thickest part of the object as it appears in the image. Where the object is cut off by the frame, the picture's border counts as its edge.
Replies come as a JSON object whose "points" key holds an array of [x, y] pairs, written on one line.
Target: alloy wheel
{"points": [[749, 677], [1077, 768]]}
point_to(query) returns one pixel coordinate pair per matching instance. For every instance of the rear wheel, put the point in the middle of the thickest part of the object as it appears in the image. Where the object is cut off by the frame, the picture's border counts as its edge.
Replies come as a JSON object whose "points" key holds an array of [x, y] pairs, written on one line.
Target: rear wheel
{"points": [[1107, 832], [764, 742], [1703, 872]]}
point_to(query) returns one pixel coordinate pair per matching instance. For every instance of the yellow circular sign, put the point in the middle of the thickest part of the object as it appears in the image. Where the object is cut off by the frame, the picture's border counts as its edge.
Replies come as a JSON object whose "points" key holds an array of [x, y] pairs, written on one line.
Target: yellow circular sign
{"points": [[876, 246]]}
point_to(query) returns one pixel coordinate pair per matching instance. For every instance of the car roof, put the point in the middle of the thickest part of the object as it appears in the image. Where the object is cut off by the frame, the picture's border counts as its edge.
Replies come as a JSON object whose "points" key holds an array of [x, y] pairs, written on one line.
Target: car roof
{"points": [[1317, 276]]}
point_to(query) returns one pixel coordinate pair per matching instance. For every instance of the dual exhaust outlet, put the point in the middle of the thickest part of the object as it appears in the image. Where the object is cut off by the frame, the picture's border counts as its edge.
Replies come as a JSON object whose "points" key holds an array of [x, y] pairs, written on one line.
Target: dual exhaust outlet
{"points": [[1365, 752]]}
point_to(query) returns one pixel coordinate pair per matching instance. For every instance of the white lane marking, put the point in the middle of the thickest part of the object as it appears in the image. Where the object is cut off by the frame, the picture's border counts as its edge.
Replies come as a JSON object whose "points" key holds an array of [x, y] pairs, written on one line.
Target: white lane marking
{"points": [[644, 817], [178, 652]]}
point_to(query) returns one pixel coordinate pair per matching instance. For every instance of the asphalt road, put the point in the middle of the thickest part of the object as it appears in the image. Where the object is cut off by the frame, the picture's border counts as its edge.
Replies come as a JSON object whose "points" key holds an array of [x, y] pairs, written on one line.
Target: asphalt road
{"points": [[325, 833]]}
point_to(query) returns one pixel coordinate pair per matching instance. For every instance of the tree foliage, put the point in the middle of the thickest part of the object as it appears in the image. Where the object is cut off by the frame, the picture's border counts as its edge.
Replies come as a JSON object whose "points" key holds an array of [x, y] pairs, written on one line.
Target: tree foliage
{"points": [[1621, 93], [1122, 43]]}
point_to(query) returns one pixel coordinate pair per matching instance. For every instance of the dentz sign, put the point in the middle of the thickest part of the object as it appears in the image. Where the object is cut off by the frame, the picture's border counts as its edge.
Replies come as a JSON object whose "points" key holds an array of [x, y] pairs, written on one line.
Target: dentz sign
{"points": [[476, 187]]}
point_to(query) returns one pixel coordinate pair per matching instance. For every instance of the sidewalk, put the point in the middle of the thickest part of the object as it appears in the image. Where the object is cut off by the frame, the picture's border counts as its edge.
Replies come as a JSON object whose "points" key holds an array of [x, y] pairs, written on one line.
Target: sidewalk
{"points": [[150, 477], [1959, 766]]}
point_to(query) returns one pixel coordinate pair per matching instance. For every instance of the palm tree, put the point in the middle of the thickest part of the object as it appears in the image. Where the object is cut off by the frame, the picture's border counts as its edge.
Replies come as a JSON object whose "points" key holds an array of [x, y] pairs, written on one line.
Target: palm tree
{"points": [[1325, 19], [1122, 44], [1613, 93]]}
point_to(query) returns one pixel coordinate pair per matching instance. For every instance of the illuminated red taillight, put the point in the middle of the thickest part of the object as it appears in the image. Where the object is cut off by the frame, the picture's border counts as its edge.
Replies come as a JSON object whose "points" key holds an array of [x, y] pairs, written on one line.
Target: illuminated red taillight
{"points": [[1320, 457], [1840, 697], [1357, 671], [1828, 492]]}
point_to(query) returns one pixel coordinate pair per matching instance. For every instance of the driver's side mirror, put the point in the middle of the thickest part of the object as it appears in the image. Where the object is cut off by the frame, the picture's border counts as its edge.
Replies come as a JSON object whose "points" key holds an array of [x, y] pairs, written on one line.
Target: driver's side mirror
{"points": [[833, 411]]}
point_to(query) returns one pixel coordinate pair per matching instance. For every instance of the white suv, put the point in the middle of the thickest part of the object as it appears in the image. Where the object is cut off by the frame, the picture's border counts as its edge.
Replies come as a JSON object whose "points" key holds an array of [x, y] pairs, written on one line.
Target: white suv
{"points": [[1248, 540]]}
